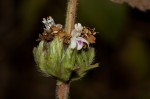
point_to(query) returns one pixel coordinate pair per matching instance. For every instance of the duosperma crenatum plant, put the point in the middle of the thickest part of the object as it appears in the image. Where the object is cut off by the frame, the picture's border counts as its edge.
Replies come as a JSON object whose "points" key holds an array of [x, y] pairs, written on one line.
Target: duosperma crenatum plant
{"points": [[65, 56]]}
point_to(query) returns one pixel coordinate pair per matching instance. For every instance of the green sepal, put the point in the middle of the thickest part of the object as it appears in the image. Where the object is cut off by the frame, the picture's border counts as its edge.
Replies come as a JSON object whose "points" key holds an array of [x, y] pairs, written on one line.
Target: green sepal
{"points": [[39, 56], [68, 63], [53, 60], [84, 59], [54, 54]]}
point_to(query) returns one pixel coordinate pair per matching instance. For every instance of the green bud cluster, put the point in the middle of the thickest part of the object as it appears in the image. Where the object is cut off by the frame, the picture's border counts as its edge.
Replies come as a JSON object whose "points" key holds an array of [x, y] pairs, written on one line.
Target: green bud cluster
{"points": [[64, 64]]}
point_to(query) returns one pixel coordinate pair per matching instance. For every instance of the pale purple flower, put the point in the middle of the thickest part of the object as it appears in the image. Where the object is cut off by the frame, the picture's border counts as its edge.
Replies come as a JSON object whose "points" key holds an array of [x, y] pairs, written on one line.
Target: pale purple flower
{"points": [[76, 40]]}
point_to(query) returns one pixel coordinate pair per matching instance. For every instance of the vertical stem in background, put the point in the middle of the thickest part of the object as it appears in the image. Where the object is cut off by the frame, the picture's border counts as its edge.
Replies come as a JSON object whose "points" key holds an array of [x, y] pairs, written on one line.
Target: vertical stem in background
{"points": [[62, 88], [70, 15]]}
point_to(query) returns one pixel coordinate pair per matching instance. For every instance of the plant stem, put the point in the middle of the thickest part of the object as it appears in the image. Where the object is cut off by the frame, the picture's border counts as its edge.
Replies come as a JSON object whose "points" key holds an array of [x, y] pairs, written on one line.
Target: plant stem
{"points": [[62, 90], [70, 15]]}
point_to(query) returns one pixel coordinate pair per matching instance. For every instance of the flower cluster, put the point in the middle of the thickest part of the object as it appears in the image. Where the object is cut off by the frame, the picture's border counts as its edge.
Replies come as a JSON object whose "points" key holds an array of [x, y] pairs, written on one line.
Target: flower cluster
{"points": [[58, 54], [79, 38], [51, 30]]}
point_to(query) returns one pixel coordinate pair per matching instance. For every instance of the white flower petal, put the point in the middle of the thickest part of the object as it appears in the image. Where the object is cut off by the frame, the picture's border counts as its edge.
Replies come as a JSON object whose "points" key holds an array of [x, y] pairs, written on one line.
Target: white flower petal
{"points": [[50, 20], [59, 25], [80, 27], [73, 43], [44, 20], [79, 45], [83, 40], [47, 27], [76, 27], [73, 33]]}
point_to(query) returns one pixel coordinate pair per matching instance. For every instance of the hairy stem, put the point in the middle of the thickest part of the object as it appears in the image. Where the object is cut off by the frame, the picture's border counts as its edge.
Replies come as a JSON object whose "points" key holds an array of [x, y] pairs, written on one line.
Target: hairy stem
{"points": [[70, 15], [62, 90]]}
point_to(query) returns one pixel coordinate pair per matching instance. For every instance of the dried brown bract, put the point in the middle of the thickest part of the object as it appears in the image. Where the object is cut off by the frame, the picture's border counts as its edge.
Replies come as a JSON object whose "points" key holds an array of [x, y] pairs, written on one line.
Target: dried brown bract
{"points": [[67, 38], [45, 36], [88, 34], [51, 31], [80, 37]]}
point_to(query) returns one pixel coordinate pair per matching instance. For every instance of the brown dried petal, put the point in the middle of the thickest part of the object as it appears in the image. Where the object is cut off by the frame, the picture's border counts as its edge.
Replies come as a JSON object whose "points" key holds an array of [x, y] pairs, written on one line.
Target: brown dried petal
{"points": [[67, 38], [91, 39], [59, 26], [54, 28], [84, 45], [49, 37], [85, 30], [47, 31], [45, 36], [61, 34]]}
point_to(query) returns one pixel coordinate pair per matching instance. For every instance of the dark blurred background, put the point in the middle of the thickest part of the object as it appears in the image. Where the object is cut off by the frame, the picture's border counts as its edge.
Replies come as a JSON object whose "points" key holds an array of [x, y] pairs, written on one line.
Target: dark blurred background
{"points": [[122, 49]]}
